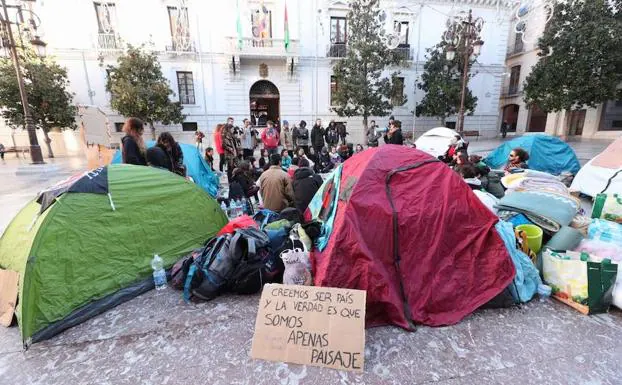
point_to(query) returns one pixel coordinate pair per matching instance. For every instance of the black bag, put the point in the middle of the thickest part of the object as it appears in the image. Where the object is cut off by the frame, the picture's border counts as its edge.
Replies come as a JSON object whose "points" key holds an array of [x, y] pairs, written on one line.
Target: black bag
{"points": [[179, 271], [257, 264], [207, 276]]}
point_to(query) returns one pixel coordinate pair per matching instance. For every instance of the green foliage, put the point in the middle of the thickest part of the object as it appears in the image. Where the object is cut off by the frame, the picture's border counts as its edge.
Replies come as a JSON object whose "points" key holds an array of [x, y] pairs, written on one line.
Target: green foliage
{"points": [[362, 90], [442, 83], [139, 89], [46, 86], [581, 56]]}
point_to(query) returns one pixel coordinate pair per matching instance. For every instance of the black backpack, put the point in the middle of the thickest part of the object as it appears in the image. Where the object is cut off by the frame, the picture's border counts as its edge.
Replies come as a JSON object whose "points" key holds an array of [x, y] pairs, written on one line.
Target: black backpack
{"points": [[257, 263]]}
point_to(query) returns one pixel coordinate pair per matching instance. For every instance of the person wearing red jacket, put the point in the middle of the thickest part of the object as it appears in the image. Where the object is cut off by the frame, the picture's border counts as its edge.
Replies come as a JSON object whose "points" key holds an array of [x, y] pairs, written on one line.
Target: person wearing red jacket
{"points": [[218, 144], [270, 138]]}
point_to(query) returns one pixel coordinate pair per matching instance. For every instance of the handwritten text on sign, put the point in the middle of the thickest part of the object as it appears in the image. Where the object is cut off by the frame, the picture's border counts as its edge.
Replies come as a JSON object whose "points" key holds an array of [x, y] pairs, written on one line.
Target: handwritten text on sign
{"points": [[308, 325]]}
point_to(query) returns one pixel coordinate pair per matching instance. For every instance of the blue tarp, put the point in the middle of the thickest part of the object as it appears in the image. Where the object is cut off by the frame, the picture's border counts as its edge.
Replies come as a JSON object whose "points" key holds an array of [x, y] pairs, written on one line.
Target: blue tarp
{"points": [[546, 153], [197, 167]]}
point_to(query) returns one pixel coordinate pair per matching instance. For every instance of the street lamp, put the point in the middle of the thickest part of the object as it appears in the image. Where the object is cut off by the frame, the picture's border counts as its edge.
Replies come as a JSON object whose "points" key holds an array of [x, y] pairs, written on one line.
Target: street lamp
{"points": [[463, 37], [8, 41]]}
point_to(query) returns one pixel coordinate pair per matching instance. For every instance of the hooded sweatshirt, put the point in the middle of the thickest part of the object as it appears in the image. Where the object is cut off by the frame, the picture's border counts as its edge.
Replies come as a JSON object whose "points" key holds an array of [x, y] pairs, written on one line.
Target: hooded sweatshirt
{"points": [[306, 184]]}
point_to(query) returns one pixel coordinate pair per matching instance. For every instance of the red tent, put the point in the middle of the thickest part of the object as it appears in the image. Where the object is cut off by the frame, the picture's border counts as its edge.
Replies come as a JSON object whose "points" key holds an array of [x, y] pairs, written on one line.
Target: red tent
{"points": [[411, 232]]}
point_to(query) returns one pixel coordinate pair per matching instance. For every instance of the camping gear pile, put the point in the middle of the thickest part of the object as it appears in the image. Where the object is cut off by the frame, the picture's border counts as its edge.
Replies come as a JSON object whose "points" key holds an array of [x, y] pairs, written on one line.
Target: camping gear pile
{"points": [[85, 245], [246, 254]]}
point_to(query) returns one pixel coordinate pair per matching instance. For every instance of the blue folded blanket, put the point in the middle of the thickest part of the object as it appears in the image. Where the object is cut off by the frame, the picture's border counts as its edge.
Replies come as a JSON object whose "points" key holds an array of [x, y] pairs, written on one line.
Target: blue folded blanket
{"points": [[551, 211]]}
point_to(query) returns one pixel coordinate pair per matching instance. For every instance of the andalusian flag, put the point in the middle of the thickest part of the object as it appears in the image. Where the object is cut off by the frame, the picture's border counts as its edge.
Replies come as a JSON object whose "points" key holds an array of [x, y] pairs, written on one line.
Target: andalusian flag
{"points": [[239, 26], [286, 35]]}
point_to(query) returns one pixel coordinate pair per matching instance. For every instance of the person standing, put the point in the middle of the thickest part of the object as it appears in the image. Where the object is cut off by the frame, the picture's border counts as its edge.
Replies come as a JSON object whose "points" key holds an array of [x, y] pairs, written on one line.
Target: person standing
{"points": [[218, 145], [133, 146], [287, 139], [372, 135], [276, 186], [343, 132], [302, 138], [173, 150], [317, 136], [504, 129], [230, 147], [247, 140], [2, 150], [394, 135], [198, 138], [331, 134], [270, 138]]}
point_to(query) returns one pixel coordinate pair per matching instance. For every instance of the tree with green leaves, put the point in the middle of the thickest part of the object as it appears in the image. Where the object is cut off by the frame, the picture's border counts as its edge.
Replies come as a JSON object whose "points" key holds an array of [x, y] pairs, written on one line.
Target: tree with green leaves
{"points": [[362, 90], [139, 89], [441, 81], [46, 86], [580, 57]]}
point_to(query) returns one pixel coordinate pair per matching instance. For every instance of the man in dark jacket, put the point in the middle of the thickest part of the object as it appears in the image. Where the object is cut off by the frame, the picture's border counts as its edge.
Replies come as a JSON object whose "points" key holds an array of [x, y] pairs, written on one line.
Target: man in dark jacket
{"points": [[394, 136], [331, 135], [317, 136], [306, 184]]}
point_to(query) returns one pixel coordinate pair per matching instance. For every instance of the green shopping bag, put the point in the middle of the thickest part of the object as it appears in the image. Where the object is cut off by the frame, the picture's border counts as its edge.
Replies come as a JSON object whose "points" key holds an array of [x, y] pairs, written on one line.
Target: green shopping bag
{"points": [[579, 280], [608, 206]]}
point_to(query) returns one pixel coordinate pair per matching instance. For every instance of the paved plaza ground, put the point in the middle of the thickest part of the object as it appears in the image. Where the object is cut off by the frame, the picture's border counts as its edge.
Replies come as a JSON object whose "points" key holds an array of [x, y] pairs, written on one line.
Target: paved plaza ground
{"points": [[158, 339]]}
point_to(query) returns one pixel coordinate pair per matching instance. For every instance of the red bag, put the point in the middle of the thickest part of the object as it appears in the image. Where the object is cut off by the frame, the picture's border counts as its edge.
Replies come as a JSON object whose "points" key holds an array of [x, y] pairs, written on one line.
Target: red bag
{"points": [[242, 222]]}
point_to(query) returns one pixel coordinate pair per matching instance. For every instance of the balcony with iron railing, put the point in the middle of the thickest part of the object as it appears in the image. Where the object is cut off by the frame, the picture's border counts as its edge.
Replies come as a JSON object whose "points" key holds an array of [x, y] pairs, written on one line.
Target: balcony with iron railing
{"points": [[511, 92], [337, 50], [403, 52], [516, 50], [249, 47], [177, 48], [109, 42]]}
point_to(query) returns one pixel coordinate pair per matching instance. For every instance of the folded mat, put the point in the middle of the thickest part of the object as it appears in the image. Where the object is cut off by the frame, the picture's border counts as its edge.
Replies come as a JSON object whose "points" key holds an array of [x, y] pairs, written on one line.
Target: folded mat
{"points": [[548, 210]]}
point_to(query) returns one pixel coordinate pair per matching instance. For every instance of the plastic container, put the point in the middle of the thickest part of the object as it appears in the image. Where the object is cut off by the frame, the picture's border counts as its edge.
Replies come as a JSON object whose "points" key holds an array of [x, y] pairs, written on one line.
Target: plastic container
{"points": [[159, 275], [534, 236]]}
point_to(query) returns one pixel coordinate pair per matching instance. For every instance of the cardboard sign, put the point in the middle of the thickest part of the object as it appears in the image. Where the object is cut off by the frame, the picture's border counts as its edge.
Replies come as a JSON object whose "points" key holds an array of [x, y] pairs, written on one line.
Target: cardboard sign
{"points": [[9, 281], [308, 325]]}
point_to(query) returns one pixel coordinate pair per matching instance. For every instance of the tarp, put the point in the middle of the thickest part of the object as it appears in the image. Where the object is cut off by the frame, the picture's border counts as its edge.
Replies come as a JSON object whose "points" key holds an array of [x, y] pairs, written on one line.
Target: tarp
{"points": [[603, 171], [409, 230], [436, 141], [197, 167], [546, 153], [80, 258]]}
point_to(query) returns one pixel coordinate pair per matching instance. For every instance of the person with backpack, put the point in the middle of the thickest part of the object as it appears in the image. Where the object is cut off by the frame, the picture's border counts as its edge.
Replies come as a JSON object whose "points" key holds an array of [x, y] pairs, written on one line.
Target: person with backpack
{"points": [[270, 138], [306, 183], [317, 136], [276, 186], [331, 135]]}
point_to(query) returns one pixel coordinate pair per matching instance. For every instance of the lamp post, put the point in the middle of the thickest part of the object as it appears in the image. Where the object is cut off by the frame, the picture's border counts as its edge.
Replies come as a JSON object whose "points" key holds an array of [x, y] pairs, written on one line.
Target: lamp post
{"points": [[8, 41], [463, 38]]}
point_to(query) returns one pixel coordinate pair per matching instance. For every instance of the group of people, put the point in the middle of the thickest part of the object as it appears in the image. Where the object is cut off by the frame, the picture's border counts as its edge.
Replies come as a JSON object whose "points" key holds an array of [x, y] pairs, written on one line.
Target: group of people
{"points": [[392, 133], [166, 154]]}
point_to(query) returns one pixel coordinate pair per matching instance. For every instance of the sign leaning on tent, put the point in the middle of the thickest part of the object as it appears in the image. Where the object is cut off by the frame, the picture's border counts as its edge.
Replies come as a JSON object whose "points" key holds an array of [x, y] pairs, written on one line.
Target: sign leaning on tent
{"points": [[306, 325]]}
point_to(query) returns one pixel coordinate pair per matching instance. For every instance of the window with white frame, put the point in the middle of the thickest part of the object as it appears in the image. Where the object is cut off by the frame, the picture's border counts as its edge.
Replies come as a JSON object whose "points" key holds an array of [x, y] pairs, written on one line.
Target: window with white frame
{"points": [[185, 85]]}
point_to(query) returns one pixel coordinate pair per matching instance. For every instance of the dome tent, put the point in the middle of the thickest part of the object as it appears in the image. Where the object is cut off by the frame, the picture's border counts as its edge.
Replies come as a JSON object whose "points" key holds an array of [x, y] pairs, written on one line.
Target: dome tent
{"points": [[408, 230], [546, 153], [86, 244]]}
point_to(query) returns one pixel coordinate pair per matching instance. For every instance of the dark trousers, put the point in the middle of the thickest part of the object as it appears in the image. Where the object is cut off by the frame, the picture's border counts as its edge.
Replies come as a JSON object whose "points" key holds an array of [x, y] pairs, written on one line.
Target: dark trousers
{"points": [[247, 153], [222, 162], [272, 151], [291, 153], [318, 150]]}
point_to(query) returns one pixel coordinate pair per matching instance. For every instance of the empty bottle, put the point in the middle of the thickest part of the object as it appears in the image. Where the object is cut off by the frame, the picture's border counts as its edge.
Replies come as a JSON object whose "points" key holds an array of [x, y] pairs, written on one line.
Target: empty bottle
{"points": [[159, 275]]}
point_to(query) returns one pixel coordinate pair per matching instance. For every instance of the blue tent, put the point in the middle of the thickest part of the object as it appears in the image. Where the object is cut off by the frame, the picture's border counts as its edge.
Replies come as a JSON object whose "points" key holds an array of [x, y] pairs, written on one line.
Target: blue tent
{"points": [[197, 167], [546, 153]]}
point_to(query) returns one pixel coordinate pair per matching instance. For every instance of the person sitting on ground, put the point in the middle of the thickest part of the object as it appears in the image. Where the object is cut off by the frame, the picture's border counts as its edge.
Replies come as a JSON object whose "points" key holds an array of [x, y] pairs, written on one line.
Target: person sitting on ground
{"points": [[517, 160], [335, 158], [359, 149], [157, 157], [133, 149], [300, 154], [469, 174], [344, 152], [286, 160], [264, 160], [243, 176], [325, 165], [209, 157], [491, 180], [306, 183], [173, 150], [394, 135], [460, 158], [276, 186]]}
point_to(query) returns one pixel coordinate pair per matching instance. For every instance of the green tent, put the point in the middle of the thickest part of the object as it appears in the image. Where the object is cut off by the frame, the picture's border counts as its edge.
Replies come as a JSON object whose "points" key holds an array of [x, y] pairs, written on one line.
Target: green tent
{"points": [[86, 244]]}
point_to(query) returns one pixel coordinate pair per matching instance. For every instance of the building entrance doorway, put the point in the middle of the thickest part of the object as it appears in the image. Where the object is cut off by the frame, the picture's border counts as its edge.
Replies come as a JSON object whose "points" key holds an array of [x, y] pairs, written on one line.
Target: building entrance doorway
{"points": [[264, 103], [537, 119], [510, 115]]}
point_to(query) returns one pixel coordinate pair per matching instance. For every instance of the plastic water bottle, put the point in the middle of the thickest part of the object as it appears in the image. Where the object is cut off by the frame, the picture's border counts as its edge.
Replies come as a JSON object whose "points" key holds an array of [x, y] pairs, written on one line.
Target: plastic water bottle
{"points": [[240, 207], [245, 203], [224, 208], [159, 275]]}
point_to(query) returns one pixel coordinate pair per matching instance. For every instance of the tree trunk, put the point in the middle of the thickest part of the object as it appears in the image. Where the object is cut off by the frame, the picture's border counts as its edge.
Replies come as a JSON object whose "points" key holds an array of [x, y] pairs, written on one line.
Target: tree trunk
{"points": [[153, 133], [365, 128], [47, 143]]}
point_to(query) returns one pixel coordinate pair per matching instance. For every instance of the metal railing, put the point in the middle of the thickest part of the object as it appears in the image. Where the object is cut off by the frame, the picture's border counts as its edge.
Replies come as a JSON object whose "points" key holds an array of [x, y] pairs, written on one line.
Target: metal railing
{"points": [[511, 92], [262, 47], [108, 41], [337, 50], [404, 53], [518, 49], [174, 47]]}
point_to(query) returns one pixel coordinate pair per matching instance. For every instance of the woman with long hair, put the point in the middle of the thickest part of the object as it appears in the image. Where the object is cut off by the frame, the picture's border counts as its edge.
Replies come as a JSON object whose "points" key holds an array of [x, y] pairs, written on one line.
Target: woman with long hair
{"points": [[218, 145], [133, 148], [176, 157]]}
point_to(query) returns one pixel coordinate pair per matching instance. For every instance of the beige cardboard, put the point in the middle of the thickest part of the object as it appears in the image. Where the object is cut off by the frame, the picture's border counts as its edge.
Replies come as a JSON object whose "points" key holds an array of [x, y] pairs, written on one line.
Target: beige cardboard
{"points": [[8, 295], [308, 325]]}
